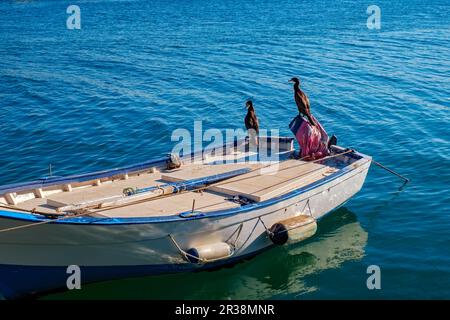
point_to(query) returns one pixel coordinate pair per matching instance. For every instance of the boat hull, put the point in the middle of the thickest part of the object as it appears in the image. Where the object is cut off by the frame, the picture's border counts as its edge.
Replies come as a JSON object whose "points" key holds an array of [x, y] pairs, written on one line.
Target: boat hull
{"points": [[34, 260]]}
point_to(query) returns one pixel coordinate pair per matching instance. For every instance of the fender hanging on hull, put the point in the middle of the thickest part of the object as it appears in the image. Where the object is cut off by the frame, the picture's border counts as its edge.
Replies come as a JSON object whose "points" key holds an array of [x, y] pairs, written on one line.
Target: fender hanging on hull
{"points": [[293, 230], [210, 252]]}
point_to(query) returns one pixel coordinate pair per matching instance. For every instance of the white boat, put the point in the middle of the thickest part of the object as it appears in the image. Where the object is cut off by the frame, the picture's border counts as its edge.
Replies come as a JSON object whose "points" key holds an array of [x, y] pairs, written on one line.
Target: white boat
{"points": [[222, 205]]}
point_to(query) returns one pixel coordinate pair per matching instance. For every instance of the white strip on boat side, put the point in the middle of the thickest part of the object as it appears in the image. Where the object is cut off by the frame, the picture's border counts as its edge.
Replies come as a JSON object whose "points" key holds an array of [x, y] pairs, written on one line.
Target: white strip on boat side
{"points": [[148, 244]]}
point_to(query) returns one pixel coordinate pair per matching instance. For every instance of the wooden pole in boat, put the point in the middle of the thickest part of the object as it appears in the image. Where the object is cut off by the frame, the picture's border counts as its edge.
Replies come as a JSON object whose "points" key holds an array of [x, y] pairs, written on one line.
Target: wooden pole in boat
{"points": [[193, 205], [391, 171]]}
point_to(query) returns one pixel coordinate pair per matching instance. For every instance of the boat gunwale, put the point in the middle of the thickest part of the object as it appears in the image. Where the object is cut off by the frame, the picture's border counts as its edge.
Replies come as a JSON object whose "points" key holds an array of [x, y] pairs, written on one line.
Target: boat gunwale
{"points": [[110, 221]]}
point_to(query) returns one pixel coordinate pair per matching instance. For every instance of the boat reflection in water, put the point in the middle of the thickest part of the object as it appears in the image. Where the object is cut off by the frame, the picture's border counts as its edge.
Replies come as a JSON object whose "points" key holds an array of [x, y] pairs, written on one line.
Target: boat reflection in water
{"points": [[280, 272]]}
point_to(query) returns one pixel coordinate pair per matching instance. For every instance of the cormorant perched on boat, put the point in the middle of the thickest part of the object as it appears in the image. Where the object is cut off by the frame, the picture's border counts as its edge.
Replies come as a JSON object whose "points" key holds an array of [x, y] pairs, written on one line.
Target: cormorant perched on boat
{"points": [[251, 122], [302, 101]]}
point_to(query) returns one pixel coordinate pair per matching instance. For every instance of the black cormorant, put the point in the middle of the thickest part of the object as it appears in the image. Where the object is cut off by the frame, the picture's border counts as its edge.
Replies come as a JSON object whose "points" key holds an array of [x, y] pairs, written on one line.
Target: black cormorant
{"points": [[302, 100], [251, 121]]}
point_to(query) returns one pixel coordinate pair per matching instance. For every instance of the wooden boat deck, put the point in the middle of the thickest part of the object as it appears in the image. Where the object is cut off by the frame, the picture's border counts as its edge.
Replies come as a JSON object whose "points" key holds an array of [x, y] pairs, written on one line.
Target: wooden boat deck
{"points": [[265, 181]]}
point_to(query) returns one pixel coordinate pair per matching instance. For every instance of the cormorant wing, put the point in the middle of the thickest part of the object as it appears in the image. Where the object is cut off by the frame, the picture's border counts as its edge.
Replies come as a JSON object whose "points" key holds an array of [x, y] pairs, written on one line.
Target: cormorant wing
{"points": [[304, 99]]}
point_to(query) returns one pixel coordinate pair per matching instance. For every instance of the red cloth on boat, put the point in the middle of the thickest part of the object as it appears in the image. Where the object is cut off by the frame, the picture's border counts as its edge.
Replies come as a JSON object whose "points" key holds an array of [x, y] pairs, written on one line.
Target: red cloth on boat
{"points": [[313, 140]]}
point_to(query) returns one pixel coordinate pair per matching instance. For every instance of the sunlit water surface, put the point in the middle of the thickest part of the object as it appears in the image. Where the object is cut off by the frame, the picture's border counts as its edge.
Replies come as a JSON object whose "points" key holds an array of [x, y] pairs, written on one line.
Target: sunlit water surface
{"points": [[111, 94]]}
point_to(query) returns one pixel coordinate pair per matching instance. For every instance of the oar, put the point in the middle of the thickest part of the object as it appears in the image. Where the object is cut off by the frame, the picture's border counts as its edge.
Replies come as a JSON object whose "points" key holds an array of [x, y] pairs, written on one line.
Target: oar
{"points": [[391, 171]]}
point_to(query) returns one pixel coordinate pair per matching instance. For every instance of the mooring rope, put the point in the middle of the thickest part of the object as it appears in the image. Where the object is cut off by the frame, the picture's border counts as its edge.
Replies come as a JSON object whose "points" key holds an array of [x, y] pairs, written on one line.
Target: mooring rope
{"points": [[29, 211], [45, 222]]}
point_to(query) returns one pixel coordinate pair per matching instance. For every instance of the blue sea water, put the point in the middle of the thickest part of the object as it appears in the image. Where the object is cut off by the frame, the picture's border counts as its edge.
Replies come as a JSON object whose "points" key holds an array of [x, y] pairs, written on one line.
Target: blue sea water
{"points": [[111, 94]]}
